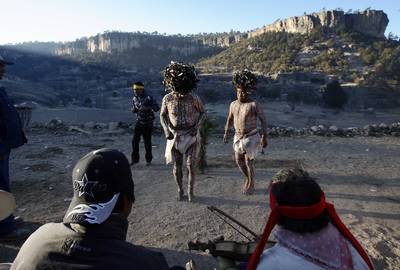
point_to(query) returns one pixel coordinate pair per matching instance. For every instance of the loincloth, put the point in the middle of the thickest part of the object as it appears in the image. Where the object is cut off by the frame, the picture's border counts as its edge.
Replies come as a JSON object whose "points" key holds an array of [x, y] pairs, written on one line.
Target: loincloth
{"points": [[249, 144], [181, 142]]}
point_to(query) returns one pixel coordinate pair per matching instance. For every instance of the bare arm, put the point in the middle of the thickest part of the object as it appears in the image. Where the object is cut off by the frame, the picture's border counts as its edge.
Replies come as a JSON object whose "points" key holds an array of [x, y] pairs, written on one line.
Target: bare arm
{"points": [[263, 120], [200, 107], [164, 120], [229, 123]]}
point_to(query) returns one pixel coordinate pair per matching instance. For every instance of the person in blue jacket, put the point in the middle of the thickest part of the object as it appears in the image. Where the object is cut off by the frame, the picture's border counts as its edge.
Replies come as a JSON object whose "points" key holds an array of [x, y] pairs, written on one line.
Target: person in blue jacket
{"points": [[11, 136], [144, 106]]}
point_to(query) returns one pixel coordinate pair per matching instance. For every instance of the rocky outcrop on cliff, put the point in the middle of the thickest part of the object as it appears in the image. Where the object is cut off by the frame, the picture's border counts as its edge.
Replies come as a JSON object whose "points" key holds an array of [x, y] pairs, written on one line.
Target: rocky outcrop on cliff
{"points": [[220, 39], [122, 41], [369, 22]]}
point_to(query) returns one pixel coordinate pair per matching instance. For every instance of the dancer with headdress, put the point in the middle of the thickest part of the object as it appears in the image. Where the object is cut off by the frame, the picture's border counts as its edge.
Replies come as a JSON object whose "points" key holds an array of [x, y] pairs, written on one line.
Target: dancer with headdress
{"points": [[181, 115], [243, 115]]}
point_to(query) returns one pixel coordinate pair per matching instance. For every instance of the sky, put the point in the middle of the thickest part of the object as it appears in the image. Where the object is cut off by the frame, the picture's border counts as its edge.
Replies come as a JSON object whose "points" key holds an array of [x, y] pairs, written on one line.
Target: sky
{"points": [[67, 20]]}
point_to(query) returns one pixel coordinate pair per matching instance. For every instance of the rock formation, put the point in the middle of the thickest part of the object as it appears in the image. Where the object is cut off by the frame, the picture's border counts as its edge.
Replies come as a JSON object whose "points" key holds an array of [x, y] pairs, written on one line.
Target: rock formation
{"points": [[121, 41], [220, 40], [369, 22]]}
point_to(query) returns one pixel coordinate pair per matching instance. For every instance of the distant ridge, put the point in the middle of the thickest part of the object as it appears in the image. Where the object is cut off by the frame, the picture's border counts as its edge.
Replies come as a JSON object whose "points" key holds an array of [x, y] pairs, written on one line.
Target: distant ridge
{"points": [[368, 22]]}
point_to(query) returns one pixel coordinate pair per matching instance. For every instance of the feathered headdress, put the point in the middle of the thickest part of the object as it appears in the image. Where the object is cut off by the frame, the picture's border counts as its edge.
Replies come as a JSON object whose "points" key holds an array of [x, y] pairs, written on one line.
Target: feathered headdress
{"points": [[244, 79], [180, 77]]}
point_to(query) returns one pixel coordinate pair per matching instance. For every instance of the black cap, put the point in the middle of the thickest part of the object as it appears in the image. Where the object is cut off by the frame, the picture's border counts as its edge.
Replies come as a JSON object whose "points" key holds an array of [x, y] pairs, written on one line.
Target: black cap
{"points": [[4, 62], [98, 179]]}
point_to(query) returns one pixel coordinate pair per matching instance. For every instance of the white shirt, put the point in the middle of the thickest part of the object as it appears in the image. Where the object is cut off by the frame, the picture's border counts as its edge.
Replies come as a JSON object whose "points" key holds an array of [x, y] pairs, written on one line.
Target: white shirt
{"points": [[281, 258]]}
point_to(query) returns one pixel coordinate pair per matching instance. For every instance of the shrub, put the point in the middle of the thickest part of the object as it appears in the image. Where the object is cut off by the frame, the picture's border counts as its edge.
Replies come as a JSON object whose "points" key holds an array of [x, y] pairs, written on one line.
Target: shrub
{"points": [[334, 96], [272, 92], [88, 102]]}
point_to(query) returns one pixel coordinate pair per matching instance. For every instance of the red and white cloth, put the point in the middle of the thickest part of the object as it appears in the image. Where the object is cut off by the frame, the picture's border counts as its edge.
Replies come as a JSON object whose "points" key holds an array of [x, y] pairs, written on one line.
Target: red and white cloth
{"points": [[311, 251], [326, 249]]}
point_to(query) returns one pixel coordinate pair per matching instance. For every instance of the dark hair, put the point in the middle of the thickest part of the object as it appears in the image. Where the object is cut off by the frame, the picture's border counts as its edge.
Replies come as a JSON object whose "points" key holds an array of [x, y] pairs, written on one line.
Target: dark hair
{"points": [[138, 83], [294, 187]]}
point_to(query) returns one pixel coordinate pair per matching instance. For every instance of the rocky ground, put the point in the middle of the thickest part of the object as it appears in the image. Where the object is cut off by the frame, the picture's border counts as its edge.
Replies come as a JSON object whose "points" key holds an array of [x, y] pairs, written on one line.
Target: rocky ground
{"points": [[359, 174]]}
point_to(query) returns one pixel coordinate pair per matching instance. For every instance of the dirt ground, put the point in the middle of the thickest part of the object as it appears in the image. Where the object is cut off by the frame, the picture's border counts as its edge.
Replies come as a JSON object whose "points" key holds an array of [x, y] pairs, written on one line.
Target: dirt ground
{"points": [[360, 175], [277, 113]]}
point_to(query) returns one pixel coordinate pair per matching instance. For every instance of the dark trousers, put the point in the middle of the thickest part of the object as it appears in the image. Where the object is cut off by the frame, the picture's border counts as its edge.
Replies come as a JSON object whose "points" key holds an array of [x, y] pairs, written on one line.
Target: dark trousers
{"points": [[145, 130], [6, 225]]}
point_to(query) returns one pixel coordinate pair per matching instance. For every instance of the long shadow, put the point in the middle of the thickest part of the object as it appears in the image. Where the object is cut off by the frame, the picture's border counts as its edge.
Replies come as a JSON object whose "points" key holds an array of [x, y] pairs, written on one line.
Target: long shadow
{"points": [[369, 214], [384, 199], [355, 179], [229, 162], [234, 174], [175, 257], [216, 201]]}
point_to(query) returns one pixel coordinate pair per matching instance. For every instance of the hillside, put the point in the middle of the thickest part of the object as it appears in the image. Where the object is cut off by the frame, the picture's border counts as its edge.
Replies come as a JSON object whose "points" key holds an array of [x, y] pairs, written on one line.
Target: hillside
{"points": [[368, 22], [351, 56], [299, 53], [54, 81], [149, 52]]}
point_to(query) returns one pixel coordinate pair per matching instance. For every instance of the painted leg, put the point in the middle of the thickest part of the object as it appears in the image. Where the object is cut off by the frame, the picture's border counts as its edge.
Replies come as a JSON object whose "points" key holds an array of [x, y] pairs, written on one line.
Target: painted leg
{"points": [[241, 163], [250, 173], [177, 171], [190, 165]]}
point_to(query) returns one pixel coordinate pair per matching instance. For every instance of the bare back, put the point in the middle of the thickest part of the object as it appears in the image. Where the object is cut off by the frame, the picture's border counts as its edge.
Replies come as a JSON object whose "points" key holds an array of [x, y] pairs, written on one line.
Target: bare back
{"points": [[183, 112]]}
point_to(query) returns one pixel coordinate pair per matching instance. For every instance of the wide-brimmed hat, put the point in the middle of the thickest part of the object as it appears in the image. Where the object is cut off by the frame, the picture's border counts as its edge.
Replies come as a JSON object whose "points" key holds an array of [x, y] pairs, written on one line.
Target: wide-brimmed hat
{"points": [[7, 204], [4, 62]]}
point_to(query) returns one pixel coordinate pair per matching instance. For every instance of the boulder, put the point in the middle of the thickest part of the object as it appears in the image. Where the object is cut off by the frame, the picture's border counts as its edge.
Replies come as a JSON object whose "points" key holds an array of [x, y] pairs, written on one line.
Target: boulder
{"points": [[55, 124]]}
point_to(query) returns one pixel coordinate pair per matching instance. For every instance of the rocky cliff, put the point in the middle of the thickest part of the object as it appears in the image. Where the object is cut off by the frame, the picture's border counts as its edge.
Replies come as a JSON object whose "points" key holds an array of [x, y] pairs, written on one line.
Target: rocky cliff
{"points": [[121, 41], [220, 39], [369, 22]]}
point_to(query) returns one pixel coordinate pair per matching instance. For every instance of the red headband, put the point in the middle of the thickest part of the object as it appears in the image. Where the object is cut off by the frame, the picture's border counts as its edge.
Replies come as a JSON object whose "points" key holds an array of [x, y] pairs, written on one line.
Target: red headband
{"points": [[299, 212], [303, 212]]}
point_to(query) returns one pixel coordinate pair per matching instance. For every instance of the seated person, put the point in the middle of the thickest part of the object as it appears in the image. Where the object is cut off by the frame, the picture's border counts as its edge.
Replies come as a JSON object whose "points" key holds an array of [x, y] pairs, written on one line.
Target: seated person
{"points": [[310, 235], [93, 232]]}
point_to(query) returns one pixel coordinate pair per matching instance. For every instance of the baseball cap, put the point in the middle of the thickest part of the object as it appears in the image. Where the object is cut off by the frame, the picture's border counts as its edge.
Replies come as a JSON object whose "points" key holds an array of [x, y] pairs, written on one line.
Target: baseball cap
{"points": [[7, 204], [4, 62], [99, 179]]}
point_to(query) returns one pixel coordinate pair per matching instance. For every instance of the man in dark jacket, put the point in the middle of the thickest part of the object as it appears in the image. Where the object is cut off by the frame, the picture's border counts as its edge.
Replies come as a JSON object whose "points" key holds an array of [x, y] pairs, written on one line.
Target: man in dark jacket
{"points": [[11, 136], [92, 234], [144, 106]]}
